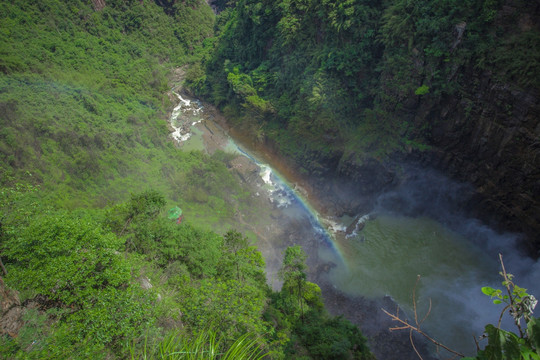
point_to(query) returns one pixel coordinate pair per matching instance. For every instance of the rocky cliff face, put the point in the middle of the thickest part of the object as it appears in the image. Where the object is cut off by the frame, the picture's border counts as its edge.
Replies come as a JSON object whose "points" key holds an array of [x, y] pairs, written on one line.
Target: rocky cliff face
{"points": [[487, 134], [490, 137]]}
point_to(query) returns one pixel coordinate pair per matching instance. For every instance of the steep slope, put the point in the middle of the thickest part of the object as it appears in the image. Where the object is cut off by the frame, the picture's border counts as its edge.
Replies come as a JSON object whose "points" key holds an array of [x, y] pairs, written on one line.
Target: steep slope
{"points": [[358, 87], [83, 96]]}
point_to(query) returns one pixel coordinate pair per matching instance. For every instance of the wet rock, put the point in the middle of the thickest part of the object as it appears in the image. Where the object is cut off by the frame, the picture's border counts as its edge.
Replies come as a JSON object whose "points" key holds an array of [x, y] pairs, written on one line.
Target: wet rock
{"points": [[497, 150]]}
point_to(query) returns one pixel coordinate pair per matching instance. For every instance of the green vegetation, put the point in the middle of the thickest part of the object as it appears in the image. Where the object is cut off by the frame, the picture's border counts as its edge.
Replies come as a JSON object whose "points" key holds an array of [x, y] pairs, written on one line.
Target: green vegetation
{"points": [[83, 100], [299, 304], [91, 266], [206, 346], [126, 280], [83, 105], [322, 79], [503, 344]]}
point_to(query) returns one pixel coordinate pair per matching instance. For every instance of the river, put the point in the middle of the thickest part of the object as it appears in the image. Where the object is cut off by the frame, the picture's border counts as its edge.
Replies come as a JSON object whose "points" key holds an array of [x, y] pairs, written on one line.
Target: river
{"points": [[414, 230]]}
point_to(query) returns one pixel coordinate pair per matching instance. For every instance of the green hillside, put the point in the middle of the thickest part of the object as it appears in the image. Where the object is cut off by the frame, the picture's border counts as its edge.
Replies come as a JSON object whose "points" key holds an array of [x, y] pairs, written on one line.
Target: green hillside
{"points": [[91, 265], [348, 76]]}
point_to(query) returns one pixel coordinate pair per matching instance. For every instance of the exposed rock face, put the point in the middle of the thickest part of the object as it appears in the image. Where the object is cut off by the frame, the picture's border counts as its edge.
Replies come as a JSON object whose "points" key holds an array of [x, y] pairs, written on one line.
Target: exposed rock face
{"points": [[496, 147], [354, 184], [98, 4], [487, 134], [11, 311]]}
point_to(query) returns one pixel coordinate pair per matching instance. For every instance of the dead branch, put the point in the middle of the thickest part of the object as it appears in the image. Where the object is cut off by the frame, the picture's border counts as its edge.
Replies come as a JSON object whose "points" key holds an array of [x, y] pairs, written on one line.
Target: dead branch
{"points": [[416, 327], [411, 327]]}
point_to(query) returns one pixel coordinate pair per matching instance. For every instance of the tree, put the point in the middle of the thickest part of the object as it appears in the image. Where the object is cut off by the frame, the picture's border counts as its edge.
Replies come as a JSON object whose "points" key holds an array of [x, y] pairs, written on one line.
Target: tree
{"points": [[72, 264], [293, 274], [65, 258], [241, 261], [234, 242], [146, 205]]}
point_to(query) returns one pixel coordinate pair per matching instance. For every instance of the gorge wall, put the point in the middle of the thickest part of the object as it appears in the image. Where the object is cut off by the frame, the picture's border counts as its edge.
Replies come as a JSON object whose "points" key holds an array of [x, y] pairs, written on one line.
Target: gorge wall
{"points": [[496, 148], [489, 135], [351, 93]]}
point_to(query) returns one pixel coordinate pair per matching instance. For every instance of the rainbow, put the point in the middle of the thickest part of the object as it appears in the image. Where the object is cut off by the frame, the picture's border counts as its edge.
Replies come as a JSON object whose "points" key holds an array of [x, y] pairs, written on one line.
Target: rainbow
{"points": [[288, 194]]}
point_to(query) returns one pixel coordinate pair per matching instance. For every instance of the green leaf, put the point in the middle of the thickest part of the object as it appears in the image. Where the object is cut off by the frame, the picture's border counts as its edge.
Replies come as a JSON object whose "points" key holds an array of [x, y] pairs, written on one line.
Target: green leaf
{"points": [[422, 90], [511, 345], [487, 290], [533, 333], [528, 354], [497, 301]]}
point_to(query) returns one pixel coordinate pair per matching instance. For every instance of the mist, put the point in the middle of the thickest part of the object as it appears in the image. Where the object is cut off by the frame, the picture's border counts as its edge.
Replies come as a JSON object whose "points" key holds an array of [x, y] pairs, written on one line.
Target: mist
{"points": [[428, 193]]}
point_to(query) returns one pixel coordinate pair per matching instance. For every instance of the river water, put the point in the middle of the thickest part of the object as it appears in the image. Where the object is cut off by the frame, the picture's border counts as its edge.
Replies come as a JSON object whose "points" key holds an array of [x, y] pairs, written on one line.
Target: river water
{"points": [[414, 230]]}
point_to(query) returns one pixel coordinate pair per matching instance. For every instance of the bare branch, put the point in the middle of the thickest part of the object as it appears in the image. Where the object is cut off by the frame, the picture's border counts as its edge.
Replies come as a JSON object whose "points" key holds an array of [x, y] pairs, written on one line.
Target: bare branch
{"points": [[507, 281], [414, 328], [414, 347], [414, 299], [428, 312], [399, 328], [501, 316], [476, 341], [406, 325]]}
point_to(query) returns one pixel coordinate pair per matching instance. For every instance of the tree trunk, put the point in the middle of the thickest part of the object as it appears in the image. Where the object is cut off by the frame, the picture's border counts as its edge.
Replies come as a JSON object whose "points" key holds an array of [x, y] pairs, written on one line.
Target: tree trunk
{"points": [[3, 267]]}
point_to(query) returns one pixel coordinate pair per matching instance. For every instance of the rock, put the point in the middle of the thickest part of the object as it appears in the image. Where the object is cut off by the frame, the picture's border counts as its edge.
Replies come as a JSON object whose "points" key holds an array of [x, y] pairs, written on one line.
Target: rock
{"points": [[12, 321], [245, 169], [145, 283], [11, 310], [98, 4]]}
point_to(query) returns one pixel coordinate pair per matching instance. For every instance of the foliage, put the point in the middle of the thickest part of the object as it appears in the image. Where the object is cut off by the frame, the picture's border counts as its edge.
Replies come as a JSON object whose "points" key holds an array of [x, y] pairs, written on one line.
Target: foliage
{"points": [[313, 333], [503, 344], [331, 338], [422, 90], [293, 274], [207, 345], [231, 306], [82, 99], [82, 107], [239, 260], [88, 278], [71, 263], [65, 258], [309, 75]]}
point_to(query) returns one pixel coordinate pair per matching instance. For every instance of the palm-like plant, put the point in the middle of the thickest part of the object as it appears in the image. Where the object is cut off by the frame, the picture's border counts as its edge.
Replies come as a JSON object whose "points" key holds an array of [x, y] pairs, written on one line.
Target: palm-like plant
{"points": [[207, 345]]}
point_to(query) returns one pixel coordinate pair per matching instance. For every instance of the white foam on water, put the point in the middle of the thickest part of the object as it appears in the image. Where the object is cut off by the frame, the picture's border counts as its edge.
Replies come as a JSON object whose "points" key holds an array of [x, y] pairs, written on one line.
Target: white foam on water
{"points": [[334, 226], [277, 191], [182, 131]]}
